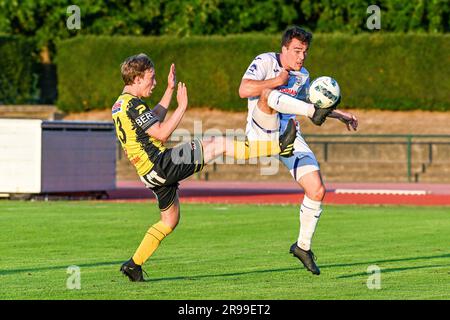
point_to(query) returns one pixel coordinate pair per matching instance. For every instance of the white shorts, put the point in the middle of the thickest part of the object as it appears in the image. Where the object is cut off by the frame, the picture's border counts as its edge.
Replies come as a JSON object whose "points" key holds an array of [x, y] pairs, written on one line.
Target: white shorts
{"points": [[303, 160], [262, 126]]}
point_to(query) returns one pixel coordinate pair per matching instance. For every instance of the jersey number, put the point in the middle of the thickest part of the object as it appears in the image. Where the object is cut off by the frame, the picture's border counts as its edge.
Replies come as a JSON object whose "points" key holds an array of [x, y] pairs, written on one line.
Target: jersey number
{"points": [[122, 137]]}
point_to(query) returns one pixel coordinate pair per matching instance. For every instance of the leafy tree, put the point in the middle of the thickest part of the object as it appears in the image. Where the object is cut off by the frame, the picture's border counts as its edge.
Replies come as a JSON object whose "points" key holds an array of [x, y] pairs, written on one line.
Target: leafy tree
{"points": [[45, 20]]}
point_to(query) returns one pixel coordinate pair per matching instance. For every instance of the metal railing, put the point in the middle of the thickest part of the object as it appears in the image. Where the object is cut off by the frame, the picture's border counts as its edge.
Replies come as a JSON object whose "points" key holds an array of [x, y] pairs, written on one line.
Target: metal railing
{"points": [[326, 141], [408, 140]]}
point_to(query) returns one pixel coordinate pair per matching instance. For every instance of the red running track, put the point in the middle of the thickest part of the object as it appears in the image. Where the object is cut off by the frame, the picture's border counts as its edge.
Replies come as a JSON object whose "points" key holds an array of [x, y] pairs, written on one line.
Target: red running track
{"points": [[290, 193]]}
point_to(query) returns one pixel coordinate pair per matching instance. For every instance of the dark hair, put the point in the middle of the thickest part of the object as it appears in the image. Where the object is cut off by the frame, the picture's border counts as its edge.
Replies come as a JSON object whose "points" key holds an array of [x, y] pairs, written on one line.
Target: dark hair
{"points": [[297, 33], [135, 66]]}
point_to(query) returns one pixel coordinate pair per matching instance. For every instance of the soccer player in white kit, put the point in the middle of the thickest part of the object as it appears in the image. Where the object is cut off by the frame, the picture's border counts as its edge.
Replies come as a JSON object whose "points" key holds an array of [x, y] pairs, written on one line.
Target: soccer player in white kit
{"points": [[276, 85]]}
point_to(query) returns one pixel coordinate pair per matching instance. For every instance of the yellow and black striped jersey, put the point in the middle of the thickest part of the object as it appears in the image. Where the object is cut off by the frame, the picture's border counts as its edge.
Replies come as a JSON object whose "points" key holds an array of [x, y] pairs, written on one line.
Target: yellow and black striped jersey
{"points": [[132, 117]]}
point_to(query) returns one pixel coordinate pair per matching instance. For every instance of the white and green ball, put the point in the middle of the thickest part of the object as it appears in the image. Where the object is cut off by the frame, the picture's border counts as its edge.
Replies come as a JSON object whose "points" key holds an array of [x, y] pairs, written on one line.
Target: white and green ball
{"points": [[324, 92]]}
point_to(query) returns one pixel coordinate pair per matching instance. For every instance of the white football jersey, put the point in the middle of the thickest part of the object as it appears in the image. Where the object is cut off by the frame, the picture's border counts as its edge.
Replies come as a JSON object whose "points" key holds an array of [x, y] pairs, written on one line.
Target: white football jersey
{"points": [[267, 66]]}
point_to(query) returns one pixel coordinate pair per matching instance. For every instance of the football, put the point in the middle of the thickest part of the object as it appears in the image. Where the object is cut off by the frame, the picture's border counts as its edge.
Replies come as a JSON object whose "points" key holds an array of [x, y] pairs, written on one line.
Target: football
{"points": [[324, 92]]}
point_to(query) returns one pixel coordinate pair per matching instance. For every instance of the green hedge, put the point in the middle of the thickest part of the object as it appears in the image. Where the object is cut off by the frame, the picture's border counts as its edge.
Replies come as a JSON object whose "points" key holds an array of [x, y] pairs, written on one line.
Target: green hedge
{"points": [[18, 73], [383, 71]]}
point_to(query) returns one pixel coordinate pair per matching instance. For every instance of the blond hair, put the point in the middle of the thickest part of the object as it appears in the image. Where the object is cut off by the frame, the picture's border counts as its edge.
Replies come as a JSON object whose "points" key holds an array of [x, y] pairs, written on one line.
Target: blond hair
{"points": [[135, 66]]}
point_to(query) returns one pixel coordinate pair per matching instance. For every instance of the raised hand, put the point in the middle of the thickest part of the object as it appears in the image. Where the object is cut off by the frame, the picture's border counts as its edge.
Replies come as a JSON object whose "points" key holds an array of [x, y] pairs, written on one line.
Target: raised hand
{"points": [[172, 77], [182, 96]]}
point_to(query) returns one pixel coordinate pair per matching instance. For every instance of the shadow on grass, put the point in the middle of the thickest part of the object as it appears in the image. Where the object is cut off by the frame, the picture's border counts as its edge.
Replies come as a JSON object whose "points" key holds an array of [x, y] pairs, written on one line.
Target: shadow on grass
{"points": [[219, 275], [97, 264], [442, 256], [118, 263], [325, 266]]}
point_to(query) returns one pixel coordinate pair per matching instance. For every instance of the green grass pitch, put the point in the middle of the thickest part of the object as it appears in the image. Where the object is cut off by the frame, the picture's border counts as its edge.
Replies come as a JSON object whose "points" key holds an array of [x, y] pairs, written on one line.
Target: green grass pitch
{"points": [[222, 252]]}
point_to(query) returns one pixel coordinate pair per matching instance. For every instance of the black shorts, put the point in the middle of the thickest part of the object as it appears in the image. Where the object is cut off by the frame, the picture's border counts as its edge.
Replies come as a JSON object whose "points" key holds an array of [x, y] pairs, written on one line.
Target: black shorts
{"points": [[173, 165]]}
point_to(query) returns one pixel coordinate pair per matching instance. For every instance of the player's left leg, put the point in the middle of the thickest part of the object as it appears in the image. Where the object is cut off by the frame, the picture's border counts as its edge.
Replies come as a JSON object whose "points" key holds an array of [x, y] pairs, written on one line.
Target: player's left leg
{"points": [[304, 169], [311, 209], [310, 212], [214, 147]]}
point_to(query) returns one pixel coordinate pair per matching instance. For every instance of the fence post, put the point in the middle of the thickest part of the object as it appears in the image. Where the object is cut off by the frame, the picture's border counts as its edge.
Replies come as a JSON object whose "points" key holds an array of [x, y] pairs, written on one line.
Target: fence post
{"points": [[408, 148], [430, 153]]}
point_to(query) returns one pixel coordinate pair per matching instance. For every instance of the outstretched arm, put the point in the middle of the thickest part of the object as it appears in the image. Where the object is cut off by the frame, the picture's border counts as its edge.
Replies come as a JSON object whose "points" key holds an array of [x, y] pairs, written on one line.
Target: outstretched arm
{"points": [[348, 118]]}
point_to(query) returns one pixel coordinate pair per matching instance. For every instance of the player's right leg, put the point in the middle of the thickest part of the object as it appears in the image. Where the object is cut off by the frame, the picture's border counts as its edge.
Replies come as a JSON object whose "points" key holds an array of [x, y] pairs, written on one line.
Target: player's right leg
{"points": [[284, 103]]}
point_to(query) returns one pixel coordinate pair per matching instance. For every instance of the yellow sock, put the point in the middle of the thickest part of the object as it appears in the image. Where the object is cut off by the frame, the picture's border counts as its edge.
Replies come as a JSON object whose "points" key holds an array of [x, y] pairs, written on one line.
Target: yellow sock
{"points": [[253, 149], [151, 241]]}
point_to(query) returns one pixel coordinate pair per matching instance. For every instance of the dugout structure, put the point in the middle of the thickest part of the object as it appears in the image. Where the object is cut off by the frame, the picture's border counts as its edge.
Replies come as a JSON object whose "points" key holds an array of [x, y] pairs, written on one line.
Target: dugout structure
{"points": [[39, 157]]}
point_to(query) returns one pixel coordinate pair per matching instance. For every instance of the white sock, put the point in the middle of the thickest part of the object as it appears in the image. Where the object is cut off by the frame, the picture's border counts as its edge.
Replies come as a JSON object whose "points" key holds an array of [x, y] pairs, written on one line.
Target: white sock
{"points": [[310, 211], [286, 104]]}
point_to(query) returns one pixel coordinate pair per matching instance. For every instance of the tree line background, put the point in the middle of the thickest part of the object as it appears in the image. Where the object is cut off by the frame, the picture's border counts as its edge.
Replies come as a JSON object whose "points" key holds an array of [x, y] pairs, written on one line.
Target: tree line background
{"points": [[45, 20]]}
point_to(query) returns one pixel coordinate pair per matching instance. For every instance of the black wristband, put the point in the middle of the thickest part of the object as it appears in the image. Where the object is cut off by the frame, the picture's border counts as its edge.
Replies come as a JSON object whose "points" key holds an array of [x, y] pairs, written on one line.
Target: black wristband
{"points": [[160, 112]]}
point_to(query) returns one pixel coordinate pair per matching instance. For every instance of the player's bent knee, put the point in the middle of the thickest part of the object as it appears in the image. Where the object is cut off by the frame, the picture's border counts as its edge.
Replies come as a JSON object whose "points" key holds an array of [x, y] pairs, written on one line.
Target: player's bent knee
{"points": [[171, 222], [263, 102], [174, 225], [316, 194], [319, 193], [171, 216], [264, 107]]}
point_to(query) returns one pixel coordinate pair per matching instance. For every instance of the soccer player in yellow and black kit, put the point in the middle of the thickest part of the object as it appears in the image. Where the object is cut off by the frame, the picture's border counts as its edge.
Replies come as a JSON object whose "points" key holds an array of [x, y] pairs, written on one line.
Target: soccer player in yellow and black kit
{"points": [[142, 132]]}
